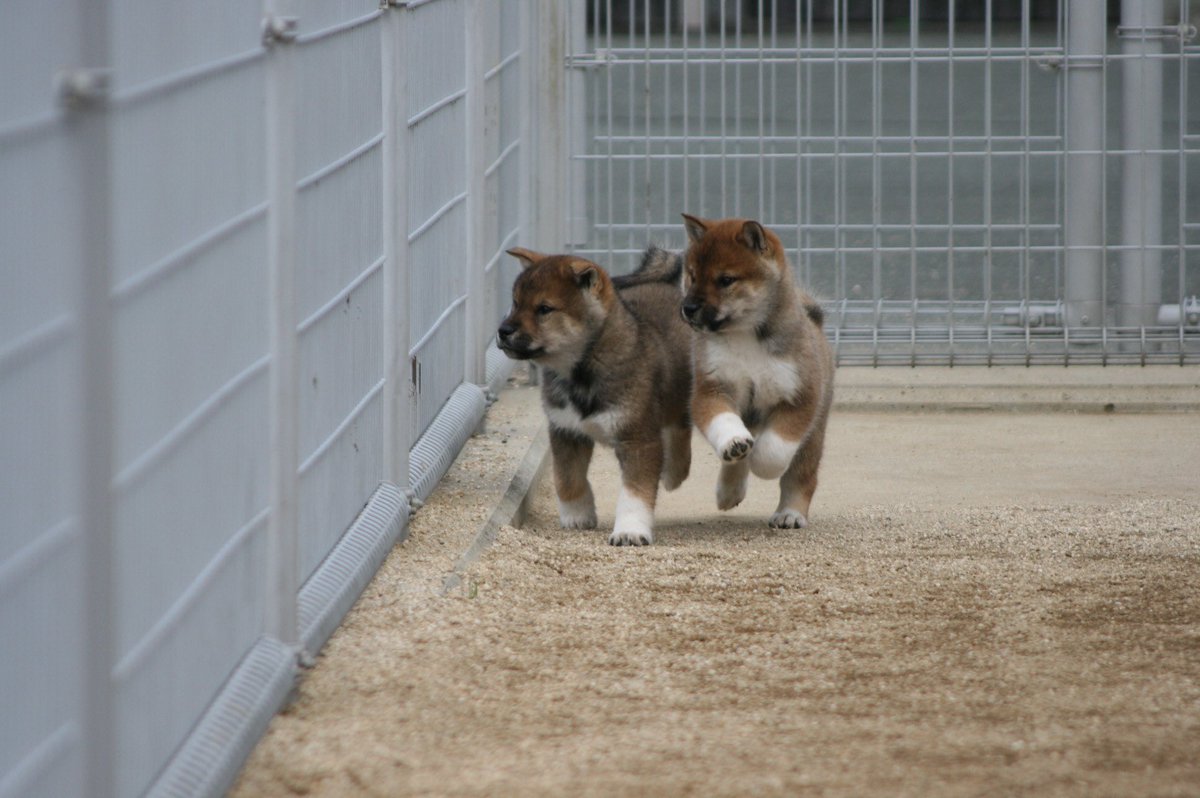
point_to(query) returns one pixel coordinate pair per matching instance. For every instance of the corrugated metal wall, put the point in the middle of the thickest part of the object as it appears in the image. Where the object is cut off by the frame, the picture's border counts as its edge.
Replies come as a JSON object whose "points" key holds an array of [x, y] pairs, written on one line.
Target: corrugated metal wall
{"points": [[248, 286]]}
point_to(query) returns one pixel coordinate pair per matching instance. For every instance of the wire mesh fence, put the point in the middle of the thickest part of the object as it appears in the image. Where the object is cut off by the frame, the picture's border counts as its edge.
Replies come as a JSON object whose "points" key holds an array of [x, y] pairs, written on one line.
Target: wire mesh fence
{"points": [[993, 182]]}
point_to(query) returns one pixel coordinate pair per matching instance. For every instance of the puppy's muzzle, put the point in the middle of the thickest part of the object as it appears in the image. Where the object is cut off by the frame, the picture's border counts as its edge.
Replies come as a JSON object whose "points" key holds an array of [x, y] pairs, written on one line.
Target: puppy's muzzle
{"points": [[512, 344], [701, 316]]}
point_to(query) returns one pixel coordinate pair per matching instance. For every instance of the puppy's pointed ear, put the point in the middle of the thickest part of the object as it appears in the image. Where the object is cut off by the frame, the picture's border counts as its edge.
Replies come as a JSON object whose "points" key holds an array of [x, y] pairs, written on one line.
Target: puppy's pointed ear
{"points": [[754, 236], [587, 274], [695, 226], [527, 256]]}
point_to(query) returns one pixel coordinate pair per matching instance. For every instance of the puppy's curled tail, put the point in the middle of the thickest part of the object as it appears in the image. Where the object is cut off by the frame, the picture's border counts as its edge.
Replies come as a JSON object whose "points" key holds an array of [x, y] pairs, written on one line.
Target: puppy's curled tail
{"points": [[658, 266]]}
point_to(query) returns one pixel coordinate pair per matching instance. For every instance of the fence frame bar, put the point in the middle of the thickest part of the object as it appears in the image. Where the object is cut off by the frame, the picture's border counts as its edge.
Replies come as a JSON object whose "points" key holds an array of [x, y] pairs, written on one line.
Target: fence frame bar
{"points": [[90, 120], [283, 567]]}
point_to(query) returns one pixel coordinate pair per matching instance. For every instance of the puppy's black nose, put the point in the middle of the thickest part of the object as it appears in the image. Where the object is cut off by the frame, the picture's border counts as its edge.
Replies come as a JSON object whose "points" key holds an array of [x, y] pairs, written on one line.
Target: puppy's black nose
{"points": [[690, 309], [505, 331]]}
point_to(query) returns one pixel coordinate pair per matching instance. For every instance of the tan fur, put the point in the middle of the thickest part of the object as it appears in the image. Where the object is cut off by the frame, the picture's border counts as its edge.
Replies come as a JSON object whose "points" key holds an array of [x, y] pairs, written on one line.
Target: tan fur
{"points": [[616, 370], [763, 367]]}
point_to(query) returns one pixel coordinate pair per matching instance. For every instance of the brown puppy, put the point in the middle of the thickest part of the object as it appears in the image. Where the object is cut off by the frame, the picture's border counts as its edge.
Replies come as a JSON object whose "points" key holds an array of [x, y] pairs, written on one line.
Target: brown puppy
{"points": [[614, 355], [763, 368]]}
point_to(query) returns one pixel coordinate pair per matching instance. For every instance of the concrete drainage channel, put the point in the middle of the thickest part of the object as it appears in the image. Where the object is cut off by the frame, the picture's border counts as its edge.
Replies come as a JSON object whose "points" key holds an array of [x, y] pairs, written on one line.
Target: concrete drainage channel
{"points": [[509, 511]]}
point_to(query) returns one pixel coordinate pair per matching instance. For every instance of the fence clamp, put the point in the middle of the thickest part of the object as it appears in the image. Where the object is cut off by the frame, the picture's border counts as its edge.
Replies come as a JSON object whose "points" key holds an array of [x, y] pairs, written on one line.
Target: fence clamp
{"points": [[279, 30], [1184, 31], [600, 58], [1050, 63], [1055, 63], [76, 88]]}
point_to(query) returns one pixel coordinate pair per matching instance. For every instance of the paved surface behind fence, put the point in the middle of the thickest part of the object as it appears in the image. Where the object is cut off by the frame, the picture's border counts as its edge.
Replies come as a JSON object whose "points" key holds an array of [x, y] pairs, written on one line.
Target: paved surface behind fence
{"points": [[984, 603]]}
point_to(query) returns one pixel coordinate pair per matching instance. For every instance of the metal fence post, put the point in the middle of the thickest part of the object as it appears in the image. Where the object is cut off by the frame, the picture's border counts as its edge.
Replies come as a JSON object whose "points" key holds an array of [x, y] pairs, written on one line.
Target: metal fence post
{"points": [[528, 180], [1084, 231], [578, 227], [282, 545], [1141, 172], [397, 413], [85, 92], [550, 140], [528, 75], [474, 368]]}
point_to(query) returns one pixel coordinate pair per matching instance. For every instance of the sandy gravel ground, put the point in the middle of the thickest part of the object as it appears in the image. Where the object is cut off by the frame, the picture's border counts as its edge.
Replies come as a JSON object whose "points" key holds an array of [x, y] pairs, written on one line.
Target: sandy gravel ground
{"points": [[984, 604]]}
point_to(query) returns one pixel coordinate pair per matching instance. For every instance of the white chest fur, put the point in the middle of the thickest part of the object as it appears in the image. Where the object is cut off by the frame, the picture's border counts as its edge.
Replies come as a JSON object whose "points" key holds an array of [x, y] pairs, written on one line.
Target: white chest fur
{"points": [[740, 361], [601, 427]]}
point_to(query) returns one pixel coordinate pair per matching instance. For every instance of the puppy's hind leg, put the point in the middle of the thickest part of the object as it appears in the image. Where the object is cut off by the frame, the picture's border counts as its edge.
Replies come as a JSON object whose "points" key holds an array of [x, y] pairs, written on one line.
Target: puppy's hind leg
{"points": [[677, 456], [572, 454], [798, 484], [731, 484]]}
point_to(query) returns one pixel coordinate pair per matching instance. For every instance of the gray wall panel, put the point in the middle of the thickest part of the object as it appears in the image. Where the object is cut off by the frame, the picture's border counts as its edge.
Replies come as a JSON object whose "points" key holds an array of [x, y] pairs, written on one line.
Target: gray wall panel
{"points": [[341, 453], [317, 15], [436, 57], [187, 336], [436, 163], [34, 45], [153, 40], [336, 485], [41, 416], [174, 516], [40, 487], [37, 253], [341, 361], [339, 231], [40, 624], [443, 346], [339, 107], [185, 162]]}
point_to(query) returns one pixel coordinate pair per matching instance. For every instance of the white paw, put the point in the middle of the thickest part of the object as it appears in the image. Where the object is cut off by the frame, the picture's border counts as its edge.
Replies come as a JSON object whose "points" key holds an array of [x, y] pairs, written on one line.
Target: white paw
{"points": [[788, 519], [630, 538], [578, 514], [737, 448], [634, 521], [729, 436]]}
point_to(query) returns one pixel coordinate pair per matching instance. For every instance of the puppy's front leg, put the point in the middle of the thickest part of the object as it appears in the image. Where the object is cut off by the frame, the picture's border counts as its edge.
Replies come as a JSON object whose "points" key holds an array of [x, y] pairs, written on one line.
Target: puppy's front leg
{"points": [[731, 484], [715, 416], [641, 463], [572, 453]]}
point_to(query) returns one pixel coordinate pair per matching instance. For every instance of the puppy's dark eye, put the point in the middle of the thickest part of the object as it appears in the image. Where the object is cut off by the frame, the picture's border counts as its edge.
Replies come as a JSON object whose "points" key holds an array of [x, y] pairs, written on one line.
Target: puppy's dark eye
{"points": [[726, 280], [544, 310]]}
